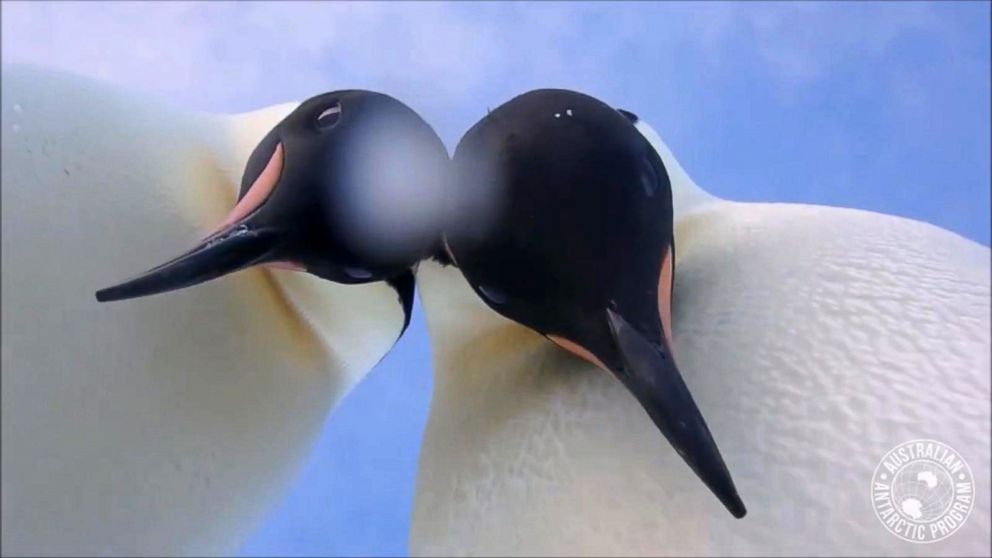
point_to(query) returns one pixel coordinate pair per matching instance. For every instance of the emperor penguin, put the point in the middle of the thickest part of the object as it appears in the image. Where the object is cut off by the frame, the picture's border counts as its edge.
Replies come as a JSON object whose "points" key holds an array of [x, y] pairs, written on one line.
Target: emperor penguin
{"points": [[813, 339], [169, 425]]}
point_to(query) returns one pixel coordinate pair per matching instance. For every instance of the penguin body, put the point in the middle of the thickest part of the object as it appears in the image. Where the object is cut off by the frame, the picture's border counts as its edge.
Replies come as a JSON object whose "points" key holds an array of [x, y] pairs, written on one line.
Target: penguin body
{"points": [[167, 425], [814, 339]]}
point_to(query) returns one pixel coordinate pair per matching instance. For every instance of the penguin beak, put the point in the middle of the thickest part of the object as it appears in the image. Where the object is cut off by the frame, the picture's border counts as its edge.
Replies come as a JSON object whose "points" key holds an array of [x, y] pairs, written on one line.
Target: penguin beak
{"points": [[225, 252], [237, 243], [649, 372]]}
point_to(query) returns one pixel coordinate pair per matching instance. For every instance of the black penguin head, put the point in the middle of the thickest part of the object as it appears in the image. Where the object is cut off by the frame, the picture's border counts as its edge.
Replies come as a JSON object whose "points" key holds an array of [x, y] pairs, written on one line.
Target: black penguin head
{"points": [[580, 248], [327, 191]]}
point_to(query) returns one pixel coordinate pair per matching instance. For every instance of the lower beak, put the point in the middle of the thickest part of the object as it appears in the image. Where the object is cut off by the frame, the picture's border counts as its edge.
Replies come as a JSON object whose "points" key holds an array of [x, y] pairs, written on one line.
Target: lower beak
{"points": [[649, 372], [225, 252]]}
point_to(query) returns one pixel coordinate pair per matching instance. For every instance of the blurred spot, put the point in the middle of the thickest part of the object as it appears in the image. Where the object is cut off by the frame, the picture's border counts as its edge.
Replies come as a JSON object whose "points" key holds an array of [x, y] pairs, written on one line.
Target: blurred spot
{"points": [[474, 198], [392, 203]]}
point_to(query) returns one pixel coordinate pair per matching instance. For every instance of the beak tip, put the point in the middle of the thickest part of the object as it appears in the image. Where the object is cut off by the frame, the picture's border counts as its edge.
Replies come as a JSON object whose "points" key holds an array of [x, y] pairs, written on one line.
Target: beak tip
{"points": [[722, 486], [109, 294], [658, 385], [735, 506]]}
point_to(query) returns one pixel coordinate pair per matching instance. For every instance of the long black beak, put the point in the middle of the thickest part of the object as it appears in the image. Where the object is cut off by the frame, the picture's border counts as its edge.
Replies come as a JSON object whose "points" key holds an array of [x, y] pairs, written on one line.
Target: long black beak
{"points": [[651, 375], [227, 251]]}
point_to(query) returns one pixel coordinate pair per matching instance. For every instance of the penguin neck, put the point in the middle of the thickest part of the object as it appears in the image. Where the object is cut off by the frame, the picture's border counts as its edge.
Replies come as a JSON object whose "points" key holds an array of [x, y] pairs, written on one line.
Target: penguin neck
{"points": [[472, 345], [687, 196]]}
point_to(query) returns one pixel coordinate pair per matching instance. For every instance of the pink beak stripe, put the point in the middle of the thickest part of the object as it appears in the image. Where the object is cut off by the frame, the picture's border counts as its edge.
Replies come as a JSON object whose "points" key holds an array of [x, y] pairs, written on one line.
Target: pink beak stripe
{"points": [[665, 298], [257, 193], [289, 266]]}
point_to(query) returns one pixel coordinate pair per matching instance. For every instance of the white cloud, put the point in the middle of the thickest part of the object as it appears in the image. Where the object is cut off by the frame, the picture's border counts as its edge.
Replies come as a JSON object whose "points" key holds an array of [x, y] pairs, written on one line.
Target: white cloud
{"points": [[801, 43], [443, 59], [236, 56], [217, 54]]}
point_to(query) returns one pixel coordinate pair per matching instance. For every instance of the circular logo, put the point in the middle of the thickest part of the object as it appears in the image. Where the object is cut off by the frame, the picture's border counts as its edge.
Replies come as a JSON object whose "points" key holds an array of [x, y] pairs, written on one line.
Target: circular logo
{"points": [[922, 491]]}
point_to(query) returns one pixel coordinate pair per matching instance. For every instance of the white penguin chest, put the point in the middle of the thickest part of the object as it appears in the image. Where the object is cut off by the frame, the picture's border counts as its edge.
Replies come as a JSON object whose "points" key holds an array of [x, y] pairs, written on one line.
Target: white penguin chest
{"points": [[810, 357]]}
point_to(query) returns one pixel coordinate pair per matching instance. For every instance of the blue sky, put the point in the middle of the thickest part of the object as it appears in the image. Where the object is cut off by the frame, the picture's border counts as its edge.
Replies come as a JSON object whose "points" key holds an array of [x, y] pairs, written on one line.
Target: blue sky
{"points": [[880, 106]]}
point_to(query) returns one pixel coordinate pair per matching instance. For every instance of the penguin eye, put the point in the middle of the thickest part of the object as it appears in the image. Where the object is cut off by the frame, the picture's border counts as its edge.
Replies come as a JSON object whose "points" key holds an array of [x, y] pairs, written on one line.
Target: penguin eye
{"points": [[329, 116]]}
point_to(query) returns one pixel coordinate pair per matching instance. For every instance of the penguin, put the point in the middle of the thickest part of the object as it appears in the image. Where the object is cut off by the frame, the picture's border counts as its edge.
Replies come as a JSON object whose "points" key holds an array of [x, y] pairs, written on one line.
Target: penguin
{"points": [[582, 251], [169, 425], [813, 339], [529, 449]]}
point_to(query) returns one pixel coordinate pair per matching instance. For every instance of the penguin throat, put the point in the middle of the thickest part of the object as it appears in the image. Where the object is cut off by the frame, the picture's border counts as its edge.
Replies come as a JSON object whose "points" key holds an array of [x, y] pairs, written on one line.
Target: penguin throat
{"points": [[577, 350]]}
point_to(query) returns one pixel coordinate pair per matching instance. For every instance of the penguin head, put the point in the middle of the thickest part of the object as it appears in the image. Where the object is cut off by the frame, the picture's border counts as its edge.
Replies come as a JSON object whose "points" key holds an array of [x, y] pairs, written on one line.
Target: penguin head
{"points": [[342, 188], [579, 247]]}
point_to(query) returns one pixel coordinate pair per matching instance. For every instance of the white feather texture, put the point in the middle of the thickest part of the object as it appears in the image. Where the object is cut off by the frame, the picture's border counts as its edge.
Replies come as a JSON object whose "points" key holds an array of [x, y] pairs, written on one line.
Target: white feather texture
{"points": [[164, 425], [814, 339]]}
